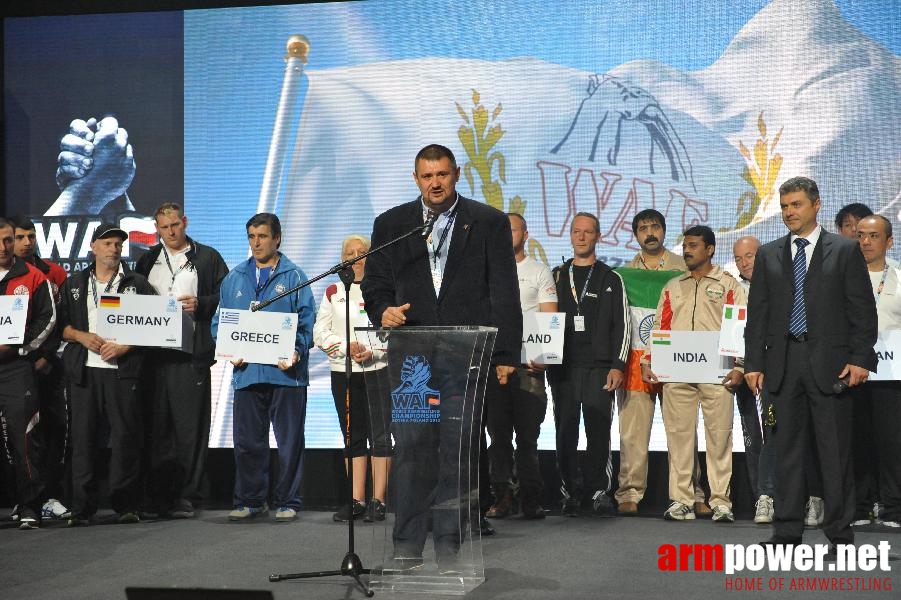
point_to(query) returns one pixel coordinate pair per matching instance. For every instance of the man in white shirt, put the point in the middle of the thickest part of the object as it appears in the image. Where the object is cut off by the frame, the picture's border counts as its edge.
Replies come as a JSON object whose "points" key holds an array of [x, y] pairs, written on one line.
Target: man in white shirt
{"points": [[179, 394], [520, 404], [877, 404]]}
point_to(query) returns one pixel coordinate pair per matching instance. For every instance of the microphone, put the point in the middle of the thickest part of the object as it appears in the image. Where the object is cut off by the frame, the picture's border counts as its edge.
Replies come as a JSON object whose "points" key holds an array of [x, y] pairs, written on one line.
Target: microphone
{"points": [[840, 386], [429, 223]]}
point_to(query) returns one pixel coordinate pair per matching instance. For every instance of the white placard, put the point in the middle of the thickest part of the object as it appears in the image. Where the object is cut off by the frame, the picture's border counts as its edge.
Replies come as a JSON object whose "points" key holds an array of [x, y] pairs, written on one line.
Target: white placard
{"points": [[888, 346], [542, 337], [688, 357], [139, 320], [259, 337], [732, 330], [13, 313]]}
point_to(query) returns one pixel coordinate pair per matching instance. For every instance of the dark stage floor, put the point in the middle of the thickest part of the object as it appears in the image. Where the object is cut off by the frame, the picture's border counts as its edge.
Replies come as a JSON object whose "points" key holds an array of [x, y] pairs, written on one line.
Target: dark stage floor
{"points": [[555, 558]]}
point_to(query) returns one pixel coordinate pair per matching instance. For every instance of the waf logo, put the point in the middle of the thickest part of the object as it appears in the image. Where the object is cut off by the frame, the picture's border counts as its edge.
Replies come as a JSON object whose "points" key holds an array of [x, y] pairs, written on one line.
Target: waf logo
{"points": [[414, 401]]}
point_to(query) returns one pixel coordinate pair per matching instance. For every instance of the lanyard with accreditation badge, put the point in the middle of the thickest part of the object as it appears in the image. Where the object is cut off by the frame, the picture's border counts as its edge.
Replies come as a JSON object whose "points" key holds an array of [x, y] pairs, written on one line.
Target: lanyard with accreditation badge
{"points": [[175, 272], [437, 272], [579, 318]]}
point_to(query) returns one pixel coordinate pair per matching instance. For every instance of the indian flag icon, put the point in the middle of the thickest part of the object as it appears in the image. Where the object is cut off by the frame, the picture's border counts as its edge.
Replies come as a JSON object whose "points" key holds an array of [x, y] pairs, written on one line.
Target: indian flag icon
{"points": [[660, 338]]}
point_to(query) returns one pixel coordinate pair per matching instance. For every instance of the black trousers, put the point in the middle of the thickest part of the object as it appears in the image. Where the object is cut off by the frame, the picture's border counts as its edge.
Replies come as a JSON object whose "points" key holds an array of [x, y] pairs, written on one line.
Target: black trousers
{"points": [[371, 418], [53, 429], [519, 406], [877, 448], [179, 427], [103, 404], [19, 407], [805, 416], [752, 433], [580, 390]]}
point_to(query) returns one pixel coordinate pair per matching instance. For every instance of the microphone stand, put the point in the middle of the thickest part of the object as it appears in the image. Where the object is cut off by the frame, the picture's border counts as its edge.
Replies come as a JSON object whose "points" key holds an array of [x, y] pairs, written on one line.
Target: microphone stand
{"points": [[351, 565]]}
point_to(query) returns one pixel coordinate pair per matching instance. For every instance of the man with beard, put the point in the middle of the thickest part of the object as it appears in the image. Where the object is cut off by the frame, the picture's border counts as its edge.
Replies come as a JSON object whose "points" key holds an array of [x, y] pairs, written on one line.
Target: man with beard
{"points": [[103, 382]]}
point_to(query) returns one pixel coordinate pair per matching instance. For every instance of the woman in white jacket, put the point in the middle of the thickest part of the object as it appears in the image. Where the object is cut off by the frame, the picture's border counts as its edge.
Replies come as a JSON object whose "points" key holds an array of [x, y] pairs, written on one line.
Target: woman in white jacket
{"points": [[329, 336]]}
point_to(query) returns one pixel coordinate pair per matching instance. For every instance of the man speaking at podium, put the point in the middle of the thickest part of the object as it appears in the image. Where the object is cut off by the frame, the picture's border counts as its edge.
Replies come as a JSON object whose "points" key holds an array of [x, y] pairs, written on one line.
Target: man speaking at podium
{"points": [[462, 273]]}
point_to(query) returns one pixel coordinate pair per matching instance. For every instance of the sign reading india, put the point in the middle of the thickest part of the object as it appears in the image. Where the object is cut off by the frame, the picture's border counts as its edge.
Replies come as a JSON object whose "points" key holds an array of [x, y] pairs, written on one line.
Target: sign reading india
{"points": [[13, 312], [888, 347], [542, 337], [259, 337], [688, 357], [139, 320]]}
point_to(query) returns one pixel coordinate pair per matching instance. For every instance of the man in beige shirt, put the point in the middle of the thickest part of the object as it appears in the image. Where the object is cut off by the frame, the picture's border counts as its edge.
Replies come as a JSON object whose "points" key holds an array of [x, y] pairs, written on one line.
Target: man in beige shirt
{"points": [[694, 302]]}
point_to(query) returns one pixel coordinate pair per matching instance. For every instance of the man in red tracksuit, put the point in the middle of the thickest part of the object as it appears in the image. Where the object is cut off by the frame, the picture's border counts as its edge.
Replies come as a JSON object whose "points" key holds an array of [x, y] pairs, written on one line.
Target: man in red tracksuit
{"points": [[18, 394]]}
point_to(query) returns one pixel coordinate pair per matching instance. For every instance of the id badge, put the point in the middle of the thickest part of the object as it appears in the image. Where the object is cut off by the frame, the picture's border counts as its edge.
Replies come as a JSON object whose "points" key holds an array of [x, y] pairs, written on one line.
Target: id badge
{"points": [[579, 322], [436, 279]]}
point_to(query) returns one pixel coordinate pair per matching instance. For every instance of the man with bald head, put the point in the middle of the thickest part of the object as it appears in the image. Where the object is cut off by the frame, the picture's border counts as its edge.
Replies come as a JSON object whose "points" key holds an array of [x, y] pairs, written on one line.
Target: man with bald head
{"points": [[758, 456]]}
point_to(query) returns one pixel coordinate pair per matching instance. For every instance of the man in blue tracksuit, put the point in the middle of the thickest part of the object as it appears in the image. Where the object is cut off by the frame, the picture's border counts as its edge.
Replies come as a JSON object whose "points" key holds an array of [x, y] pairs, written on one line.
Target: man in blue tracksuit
{"points": [[265, 393]]}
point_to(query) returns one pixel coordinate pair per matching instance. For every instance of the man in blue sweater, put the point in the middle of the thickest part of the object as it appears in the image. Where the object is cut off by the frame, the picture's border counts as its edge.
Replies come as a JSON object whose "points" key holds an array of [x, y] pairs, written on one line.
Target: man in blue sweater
{"points": [[264, 393]]}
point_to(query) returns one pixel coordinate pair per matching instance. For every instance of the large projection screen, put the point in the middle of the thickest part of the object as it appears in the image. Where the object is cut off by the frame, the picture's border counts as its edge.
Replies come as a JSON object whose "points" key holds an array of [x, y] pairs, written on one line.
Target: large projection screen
{"points": [[698, 109]]}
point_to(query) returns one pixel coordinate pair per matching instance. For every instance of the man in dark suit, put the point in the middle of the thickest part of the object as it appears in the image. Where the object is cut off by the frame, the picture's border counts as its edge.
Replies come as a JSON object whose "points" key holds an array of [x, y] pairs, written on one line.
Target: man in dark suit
{"points": [[802, 339], [464, 273]]}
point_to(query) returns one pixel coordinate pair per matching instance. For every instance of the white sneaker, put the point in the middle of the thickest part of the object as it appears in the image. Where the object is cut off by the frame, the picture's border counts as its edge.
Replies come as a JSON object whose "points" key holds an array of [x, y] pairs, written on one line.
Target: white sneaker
{"points": [[54, 509], [285, 514], [860, 522], [723, 514], [764, 510], [679, 512], [815, 513], [242, 513], [893, 524]]}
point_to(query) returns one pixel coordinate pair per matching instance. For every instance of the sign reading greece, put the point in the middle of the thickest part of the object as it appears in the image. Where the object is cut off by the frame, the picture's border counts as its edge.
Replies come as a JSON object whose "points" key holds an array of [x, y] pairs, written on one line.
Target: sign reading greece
{"points": [[688, 357], [887, 347], [140, 320], [732, 330], [13, 311], [256, 337], [542, 337], [414, 401]]}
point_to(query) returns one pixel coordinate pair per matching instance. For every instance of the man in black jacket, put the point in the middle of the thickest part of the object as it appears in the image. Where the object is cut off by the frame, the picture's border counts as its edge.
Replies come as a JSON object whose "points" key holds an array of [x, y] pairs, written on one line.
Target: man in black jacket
{"points": [[811, 329], [464, 273], [596, 346], [180, 378], [103, 381]]}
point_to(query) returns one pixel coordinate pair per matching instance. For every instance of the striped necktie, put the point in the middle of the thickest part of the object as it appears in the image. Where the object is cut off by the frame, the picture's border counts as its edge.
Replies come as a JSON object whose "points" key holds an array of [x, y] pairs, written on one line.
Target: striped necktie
{"points": [[797, 322]]}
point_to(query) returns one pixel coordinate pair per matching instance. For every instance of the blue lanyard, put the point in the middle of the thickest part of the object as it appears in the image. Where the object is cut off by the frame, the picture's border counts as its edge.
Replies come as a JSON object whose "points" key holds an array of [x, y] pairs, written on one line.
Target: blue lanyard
{"points": [[261, 283], [436, 253], [572, 286], [109, 286]]}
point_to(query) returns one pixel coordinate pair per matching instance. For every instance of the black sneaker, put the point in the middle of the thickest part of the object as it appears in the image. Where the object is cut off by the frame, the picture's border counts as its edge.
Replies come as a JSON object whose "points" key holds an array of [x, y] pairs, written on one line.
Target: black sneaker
{"points": [[128, 517], [530, 508], [183, 509], [78, 520], [344, 513], [28, 519], [570, 507], [602, 505], [375, 511]]}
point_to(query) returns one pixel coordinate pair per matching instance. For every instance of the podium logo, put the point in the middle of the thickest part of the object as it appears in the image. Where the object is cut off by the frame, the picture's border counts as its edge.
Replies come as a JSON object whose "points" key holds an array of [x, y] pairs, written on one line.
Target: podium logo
{"points": [[413, 401]]}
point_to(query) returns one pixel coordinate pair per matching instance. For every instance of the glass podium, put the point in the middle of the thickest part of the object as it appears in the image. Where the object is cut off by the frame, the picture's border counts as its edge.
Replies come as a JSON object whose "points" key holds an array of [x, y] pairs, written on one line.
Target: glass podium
{"points": [[429, 392]]}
